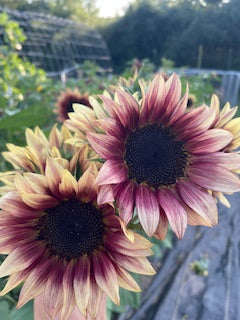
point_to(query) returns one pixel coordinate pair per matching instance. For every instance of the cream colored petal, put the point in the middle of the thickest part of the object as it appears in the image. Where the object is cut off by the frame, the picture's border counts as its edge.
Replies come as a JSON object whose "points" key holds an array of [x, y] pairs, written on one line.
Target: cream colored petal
{"points": [[68, 185], [81, 284]]}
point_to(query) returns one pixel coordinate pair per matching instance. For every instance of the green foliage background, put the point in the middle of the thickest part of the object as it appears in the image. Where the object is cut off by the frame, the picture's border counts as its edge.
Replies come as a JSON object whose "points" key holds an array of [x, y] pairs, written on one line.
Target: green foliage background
{"points": [[175, 29]]}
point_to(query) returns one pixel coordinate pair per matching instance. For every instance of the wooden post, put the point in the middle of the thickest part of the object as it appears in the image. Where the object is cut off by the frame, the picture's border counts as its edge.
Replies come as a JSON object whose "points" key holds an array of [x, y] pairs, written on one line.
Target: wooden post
{"points": [[200, 56]]}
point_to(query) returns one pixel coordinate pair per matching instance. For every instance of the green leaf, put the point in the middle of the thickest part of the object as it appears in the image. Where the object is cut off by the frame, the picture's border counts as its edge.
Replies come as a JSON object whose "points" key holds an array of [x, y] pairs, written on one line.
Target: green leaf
{"points": [[33, 116], [25, 313], [4, 310]]}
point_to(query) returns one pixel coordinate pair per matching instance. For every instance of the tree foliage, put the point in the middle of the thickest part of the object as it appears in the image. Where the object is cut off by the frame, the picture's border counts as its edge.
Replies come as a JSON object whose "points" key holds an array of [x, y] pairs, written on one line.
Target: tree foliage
{"points": [[80, 10], [175, 29]]}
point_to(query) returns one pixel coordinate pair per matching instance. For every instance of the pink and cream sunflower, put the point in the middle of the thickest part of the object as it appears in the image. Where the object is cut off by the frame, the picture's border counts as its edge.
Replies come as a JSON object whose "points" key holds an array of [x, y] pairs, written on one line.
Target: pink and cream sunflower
{"points": [[161, 158], [33, 156], [65, 246], [224, 119]]}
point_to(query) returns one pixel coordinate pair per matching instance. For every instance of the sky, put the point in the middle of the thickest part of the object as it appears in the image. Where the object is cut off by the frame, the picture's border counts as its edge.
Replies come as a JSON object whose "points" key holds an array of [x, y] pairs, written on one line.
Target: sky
{"points": [[111, 8]]}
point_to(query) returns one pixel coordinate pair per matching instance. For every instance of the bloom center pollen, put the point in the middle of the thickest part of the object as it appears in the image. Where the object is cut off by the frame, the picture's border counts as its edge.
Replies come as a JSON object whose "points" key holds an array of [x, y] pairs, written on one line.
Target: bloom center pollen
{"points": [[154, 155], [72, 229]]}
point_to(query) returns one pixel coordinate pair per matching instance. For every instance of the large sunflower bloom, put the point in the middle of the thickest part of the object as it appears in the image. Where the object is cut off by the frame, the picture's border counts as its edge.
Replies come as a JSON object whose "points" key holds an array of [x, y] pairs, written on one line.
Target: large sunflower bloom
{"points": [[163, 159], [65, 246], [66, 101]]}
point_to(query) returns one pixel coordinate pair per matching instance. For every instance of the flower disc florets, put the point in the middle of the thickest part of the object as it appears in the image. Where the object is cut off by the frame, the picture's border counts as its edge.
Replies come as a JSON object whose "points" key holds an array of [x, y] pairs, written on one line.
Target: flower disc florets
{"points": [[154, 155], [71, 229]]}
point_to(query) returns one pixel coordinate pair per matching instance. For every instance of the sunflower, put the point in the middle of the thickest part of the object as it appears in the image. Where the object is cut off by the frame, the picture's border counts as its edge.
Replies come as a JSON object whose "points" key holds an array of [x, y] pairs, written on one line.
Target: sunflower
{"points": [[66, 100], [63, 245], [32, 157], [224, 119], [162, 159]]}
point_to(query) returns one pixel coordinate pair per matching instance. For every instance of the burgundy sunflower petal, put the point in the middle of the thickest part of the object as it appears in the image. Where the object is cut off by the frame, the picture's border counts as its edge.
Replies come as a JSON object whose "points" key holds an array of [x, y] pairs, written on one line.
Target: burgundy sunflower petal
{"points": [[162, 227], [35, 283], [213, 177], [108, 147], [105, 276], [21, 258], [53, 291], [209, 141], [230, 161], [174, 211], [12, 203], [199, 201], [112, 171], [125, 198], [105, 195], [148, 209]]}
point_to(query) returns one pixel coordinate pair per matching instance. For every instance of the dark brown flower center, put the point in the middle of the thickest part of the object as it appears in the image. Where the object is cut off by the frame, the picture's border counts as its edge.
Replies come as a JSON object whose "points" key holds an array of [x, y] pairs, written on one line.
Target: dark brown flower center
{"points": [[190, 102], [69, 106], [154, 155], [72, 229]]}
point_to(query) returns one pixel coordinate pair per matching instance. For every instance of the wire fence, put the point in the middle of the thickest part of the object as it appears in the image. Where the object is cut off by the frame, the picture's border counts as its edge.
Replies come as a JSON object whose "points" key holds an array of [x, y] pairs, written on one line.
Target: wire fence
{"points": [[56, 44], [230, 82]]}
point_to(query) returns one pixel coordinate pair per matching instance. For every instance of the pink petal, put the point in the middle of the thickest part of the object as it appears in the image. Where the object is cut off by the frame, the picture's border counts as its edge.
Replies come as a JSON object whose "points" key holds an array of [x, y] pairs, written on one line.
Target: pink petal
{"points": [[108, 147], [162, 227], [105, 195], [129, 104], [116, 111], [230, 161], [21, 258], [112, 127], [193, 122], [194, 219], [180, 109], [173, 94], [209, 141], [213, 177], [112, 171], [35, 283], [199, 201], [148, 209], [155, 98], [174, 211], [110, 106], [53, 291], [13, 204], [125, 200]]}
